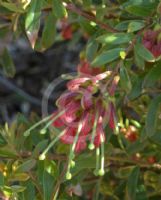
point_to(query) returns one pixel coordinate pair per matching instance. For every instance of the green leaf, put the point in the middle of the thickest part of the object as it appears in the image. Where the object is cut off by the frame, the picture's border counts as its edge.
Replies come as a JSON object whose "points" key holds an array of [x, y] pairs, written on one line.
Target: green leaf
{"points": [[136, 88], [141, 193], [136, 147], [7, 152], [49, 31], [156, 138], [26, 166], [17, 188], [132, 184], [39, 148], [139, 61], [135, 26], [140, 10], [122, 26], [130, 25], [7, 63], [2, 140], [92, 47], [12, 7], [124, 172], [59, 9], [1, 179], [115, 38], [144, 53], [152, 76], [30, 192], [32, 22], [19, 177], [51, 168], [85, 162], [152, 115], [125, 81], [87, 26], [48, 184], [107, 57]]}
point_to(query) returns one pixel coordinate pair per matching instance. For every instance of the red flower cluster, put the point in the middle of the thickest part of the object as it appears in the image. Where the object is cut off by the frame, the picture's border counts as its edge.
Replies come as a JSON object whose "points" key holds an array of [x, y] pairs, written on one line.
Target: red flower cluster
{"points": [[84, 103], [152, 43]]}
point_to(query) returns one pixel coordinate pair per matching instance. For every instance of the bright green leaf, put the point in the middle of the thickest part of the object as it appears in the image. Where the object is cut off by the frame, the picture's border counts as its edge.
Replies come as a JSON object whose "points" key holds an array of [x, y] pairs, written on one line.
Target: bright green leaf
{"points": [[12, 7], [115, 38], [32, 23], [49, 31], [135, 26], [107, 57], [51, 168], [59, 9]]}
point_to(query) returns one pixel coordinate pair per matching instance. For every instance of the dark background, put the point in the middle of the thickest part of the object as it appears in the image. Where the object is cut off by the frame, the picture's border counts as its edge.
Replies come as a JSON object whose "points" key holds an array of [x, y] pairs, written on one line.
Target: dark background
{"points": [[34, 71]]}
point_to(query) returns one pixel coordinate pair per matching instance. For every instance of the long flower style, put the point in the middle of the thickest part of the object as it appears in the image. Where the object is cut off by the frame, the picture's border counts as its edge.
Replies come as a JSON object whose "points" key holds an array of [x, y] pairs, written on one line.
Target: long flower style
{"points": [[83, 111]]}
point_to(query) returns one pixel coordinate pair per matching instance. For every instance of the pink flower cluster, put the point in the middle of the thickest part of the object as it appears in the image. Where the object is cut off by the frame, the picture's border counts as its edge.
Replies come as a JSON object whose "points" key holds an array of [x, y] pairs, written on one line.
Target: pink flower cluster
{"points": [[87, 104], [152, 43]]}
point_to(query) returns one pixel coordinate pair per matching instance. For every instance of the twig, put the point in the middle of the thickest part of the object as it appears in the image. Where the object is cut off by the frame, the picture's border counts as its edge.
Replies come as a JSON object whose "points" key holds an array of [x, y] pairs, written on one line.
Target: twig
{"points": [[89, 17], [19, 91]]}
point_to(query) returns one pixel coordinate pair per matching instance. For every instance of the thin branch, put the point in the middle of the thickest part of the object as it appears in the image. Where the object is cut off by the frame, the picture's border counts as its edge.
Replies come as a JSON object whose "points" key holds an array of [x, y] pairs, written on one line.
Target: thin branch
{"points": [[19, 91], [90, 17]]}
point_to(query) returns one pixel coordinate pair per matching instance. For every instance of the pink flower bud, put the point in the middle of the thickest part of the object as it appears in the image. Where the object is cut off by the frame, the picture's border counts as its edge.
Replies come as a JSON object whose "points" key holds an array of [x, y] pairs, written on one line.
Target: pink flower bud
{"points": [[74, 84]]}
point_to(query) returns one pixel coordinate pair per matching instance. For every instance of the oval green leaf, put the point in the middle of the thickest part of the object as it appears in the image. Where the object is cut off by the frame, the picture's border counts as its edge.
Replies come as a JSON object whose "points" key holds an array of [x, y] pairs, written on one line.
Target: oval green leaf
{"points": [[59, 9], [152, 76], [152, 114], [115, 38], [32, 22], [107, 57], [144, 53]]}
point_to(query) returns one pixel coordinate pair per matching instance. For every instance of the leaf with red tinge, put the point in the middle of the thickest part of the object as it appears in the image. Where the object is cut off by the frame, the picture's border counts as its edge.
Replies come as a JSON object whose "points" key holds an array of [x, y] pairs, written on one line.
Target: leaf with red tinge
{"points": [[32, 22]]}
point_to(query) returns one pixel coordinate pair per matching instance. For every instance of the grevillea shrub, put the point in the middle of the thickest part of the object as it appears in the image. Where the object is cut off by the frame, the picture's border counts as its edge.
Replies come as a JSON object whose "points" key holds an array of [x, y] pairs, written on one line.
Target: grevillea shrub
{"points": [[103, 140]]}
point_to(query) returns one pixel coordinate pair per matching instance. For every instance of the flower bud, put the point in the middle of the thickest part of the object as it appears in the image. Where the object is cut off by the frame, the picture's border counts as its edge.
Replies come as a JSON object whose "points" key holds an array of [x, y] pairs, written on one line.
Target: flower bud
{"points": [[68, 176]]}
